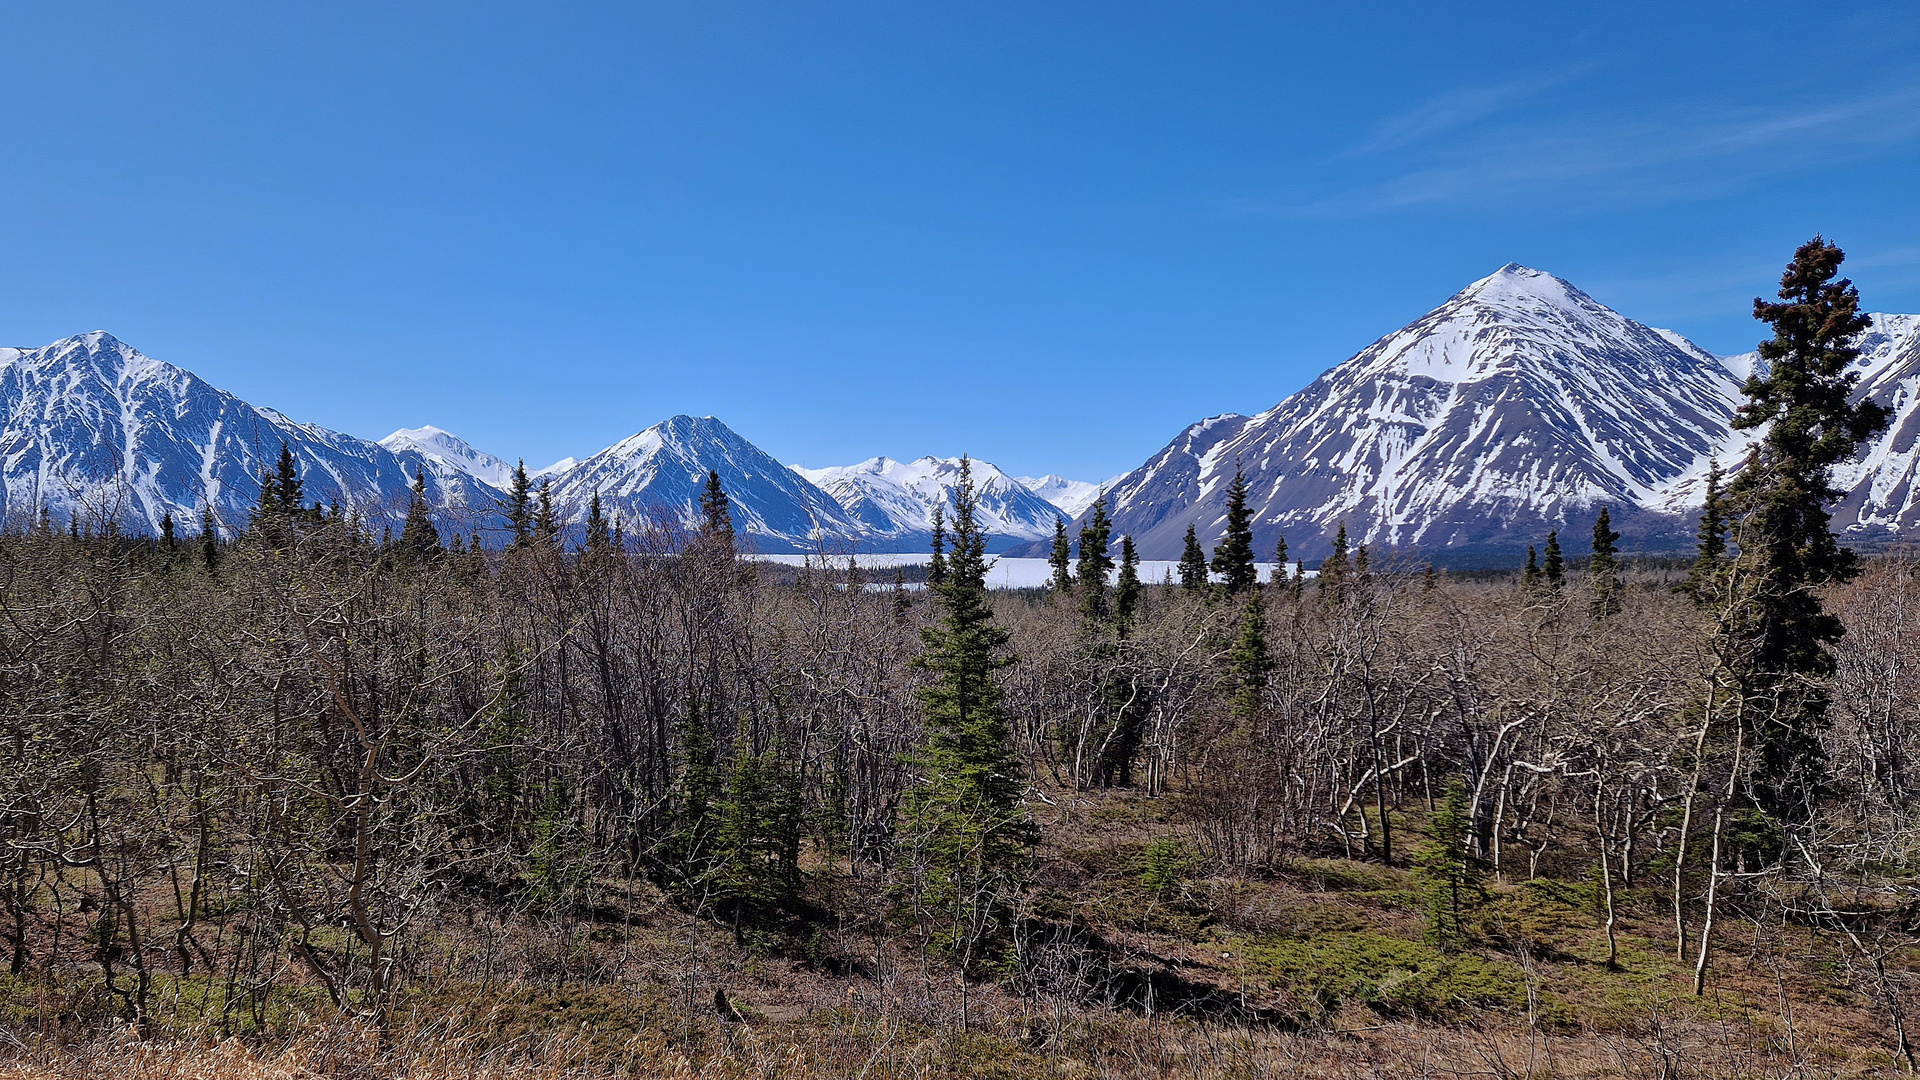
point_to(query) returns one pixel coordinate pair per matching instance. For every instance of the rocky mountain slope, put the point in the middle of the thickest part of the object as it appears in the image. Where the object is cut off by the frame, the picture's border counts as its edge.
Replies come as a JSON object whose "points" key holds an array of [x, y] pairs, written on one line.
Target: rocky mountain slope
{"points": [[662, 471], [92, 429], [1518, 406]]}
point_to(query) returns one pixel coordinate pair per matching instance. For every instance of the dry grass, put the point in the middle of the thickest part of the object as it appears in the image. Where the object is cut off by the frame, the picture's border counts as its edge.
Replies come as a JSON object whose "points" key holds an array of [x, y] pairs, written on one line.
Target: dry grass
{"points": [[870, 1047]]}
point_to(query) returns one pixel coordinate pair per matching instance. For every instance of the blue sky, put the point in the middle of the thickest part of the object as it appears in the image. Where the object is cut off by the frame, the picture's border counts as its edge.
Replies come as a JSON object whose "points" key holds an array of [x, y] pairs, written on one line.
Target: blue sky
{"points": [[1049, 235]]}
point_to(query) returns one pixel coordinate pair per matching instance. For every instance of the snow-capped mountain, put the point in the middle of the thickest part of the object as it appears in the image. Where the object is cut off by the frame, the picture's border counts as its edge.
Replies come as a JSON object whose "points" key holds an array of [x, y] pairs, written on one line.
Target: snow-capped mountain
{"points": [[893, 501], [1883, 484], [91, 428], [1070, 496], [663, 471], [1519, 405], [452, 454]]}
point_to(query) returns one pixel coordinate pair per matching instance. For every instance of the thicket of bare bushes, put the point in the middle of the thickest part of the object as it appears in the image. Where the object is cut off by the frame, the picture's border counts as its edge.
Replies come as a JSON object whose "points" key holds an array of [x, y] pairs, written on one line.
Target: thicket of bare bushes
{"points": [[322, 771]]}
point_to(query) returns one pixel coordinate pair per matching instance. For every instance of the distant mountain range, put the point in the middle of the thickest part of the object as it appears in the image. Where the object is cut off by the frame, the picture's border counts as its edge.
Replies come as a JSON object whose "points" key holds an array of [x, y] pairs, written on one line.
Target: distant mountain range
{"points": [[1518, 406], [92, 429]]}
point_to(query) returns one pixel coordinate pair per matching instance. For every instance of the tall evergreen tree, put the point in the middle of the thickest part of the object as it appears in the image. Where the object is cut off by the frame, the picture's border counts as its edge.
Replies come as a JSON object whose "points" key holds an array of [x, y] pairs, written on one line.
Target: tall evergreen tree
{"points": [[1126, 588], [546, 528], [1061, 558], [419, 539], [289, 495], [937, 566], [1553, 567], [1095, 537], [1280, 559], [264, 521], [599, 541], [1603, 572], [690, 866], [967, 827], [519, 505], [716, 516], [209, 540], [1530, 573], [1193, 563], [1249, 664], [1233, 558], [1336, 568], [167, 542], [1778, 507], [1710, 562]]}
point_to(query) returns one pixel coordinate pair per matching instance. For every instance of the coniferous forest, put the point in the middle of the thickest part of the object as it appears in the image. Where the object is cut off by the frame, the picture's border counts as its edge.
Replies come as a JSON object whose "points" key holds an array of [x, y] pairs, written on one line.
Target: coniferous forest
{"points": [[631, 803]]}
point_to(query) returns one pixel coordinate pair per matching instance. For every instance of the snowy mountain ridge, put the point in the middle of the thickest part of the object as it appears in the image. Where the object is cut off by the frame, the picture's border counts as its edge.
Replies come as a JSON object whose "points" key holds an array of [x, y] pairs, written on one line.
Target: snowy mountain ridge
{"points": [[1070, 496], [893, 501], [1519, 405], [453, 453], [91, 429]]}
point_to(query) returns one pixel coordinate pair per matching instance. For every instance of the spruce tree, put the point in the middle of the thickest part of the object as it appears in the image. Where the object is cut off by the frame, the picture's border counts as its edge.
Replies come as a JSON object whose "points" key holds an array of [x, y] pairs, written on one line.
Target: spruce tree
{"points": [[1530, 574], [1060, 558], [1095, 537], [519, 506], [1335, 568], [967, 828], [1233, 558], [209, 540], [1126, 588], [757, 836], [1603, 572], [1193, 564], [1710, 562], [1452, 879], [263, 522], [599, 542], [716, 517], [289, 497], [1553, 567], [546, 528], [937, 566], [1249, 664], [1778, 507], [693, 823], [167, 542], [419, 540], [1280, 559]]}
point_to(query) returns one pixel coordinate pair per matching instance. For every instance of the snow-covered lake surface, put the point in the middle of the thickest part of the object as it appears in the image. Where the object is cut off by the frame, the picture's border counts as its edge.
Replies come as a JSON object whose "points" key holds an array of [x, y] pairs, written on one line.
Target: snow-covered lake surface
{"points": [[1002, 572]]}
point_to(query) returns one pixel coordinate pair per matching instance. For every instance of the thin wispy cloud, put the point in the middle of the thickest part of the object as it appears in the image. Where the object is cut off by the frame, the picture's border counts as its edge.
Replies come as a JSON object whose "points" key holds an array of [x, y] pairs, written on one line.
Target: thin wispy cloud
{"points": [[1445, 158], [1456, 109]]}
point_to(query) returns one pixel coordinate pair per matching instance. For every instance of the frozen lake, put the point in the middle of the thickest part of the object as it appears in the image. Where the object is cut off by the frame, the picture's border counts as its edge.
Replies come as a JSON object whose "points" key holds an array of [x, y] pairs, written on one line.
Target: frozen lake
{"points": [[1002, 572]]}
